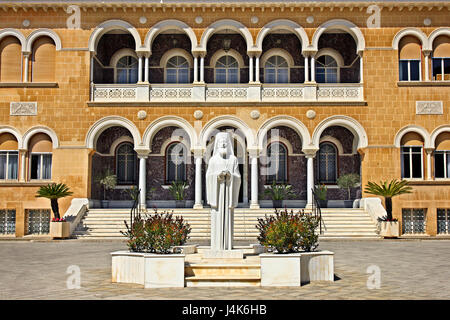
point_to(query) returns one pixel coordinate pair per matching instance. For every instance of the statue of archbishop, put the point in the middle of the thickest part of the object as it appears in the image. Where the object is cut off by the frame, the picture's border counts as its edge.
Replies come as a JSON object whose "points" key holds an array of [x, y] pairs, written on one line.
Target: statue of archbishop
{"points": [[223, 181]]}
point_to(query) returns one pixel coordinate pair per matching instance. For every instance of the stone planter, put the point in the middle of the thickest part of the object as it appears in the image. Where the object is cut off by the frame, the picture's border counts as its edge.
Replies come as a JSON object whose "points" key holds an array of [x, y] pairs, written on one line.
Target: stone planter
{"points": [[104, 203], [277, 204], [323, 203], [186, 249], [180, 203], [150, 269], [389, 229], [293, 269], [59, 229], [348, 203]]}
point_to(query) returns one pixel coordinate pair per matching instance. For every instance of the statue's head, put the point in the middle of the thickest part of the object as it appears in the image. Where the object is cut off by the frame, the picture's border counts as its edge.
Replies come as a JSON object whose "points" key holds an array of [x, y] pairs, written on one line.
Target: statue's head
{"points": [[223, 145]]}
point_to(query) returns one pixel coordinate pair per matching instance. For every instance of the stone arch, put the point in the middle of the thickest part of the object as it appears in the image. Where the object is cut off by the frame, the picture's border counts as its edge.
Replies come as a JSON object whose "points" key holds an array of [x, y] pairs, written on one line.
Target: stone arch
{"points": [[43, 33], [107, 122], [436, 33], [415, 32], [282, 24], [167, 25], [287, 121], [167, 121], [436, 132], [109, 25], [343, 25], [221, 121], [14, 132], [344, 121], [39, 129], [413, 128], [226, 24], [14, 33]]}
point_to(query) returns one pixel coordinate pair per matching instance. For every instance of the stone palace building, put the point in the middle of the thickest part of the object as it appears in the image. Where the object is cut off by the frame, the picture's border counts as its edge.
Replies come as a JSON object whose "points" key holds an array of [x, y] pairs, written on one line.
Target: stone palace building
{"points": [[310, 90]]}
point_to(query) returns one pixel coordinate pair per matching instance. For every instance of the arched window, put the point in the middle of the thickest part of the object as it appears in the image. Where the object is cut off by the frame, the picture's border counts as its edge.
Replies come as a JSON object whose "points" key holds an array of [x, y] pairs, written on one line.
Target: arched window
{"points": [[43, 60], [327, 69], [177, 70], [412, 156], [276, 70], [10, 60], [9, 157], [327, 163], [442, 156], [277, 163], [176, 162], [441, 58], [226, 70], [410, 54], [127, 70], [126, 164]]}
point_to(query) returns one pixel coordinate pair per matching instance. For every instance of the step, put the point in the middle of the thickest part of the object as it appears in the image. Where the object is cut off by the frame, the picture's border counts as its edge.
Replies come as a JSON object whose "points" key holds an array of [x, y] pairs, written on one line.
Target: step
{"points": [[222, 281], [210, 269]]}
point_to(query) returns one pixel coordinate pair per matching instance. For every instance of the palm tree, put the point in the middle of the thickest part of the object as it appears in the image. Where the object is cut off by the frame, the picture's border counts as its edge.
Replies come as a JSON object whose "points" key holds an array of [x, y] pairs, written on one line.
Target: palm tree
{"points": [[53, 192], [388, 191]]}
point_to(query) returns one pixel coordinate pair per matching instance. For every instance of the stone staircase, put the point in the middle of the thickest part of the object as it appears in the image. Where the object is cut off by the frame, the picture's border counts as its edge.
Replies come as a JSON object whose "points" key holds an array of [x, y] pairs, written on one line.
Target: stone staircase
{"points": [[340, 223]]}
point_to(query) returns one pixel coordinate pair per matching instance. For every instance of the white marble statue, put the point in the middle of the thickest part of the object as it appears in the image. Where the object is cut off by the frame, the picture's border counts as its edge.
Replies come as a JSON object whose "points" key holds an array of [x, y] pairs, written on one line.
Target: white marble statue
{"points": [[223, 181]]}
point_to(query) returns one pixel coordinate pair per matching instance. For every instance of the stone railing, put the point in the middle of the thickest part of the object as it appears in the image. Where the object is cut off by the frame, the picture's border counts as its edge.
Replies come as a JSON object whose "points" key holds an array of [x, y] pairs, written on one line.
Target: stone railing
{"points": [[228, 93]]}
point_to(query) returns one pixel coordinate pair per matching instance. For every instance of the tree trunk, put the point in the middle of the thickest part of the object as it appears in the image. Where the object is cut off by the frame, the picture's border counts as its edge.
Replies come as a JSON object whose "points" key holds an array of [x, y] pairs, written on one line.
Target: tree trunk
{"points": [[55, 207], [388, 203]]}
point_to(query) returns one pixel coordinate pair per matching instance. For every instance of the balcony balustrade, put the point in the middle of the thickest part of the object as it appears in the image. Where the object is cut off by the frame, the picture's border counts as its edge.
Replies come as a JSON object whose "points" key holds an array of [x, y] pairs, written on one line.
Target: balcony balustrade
{"points": [[228, 93]]}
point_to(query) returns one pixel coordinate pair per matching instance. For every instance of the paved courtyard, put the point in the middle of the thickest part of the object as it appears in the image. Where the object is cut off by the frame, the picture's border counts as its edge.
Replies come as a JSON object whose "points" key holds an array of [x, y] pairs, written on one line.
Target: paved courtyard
{"points": [[410, 269]]}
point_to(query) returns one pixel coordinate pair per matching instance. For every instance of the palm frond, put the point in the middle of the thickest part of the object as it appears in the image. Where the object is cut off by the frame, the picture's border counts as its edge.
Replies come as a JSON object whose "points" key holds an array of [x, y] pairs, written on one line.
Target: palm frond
{"points": [[388, 189], [53, 191]]}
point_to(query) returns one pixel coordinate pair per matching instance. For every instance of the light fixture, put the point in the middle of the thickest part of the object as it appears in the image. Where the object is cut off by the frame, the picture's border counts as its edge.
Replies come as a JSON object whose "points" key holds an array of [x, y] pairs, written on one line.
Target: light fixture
{"points": [[226, 43]]}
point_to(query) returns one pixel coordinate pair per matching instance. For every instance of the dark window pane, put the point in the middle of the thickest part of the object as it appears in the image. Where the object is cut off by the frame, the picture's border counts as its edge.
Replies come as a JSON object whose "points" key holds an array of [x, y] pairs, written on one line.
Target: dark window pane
{"points": [[437, 69], [447, 69], [406, 170], [414, 65], [417, 165], [3, 158], [35, 166], [403, 68], [439, 165]]}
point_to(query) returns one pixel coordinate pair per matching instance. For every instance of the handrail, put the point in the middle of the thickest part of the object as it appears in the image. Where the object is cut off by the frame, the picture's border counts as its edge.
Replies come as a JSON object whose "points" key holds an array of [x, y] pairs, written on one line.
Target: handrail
{"points": [[135, 212], [316, 210]]}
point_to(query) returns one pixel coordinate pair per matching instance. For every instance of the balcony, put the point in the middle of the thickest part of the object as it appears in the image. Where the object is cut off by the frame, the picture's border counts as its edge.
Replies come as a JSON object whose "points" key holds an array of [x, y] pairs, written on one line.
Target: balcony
{"points": [[305, 93]]}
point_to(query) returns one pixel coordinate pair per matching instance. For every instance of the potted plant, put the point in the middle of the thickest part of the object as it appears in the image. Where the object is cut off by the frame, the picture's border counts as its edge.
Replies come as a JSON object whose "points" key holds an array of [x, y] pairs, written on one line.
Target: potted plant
{"points": [[348, 181], [291, 240], [151, 259], [59, 228], [177, 189], [389, 227], [278, 193], [321, 194], [108, 181]]}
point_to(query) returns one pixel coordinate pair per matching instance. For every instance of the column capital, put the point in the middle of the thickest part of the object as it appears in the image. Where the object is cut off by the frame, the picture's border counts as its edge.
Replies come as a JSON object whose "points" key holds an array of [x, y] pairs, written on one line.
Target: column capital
{"points": [[427, 52], [429, 150], [143, 53], [142, 152], [198, 53], [26, 53], [310, 152], [198, 152], [309, 53], [253, 152]]}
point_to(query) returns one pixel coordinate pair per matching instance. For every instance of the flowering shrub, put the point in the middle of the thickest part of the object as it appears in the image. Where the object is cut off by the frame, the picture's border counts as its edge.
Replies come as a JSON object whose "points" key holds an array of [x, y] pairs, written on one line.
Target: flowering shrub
{"points": [[288, 232], [157, 233], [387, 219], [58, 219]]}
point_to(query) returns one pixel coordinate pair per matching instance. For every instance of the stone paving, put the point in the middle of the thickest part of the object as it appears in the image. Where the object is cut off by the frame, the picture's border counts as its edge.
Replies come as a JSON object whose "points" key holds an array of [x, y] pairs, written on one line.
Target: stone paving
{"points": [[410, 269]]}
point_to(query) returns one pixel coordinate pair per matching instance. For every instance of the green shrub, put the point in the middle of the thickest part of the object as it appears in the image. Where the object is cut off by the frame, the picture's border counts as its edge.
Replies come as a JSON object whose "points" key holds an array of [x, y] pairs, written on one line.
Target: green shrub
{"points": [[157, 233], [288, 232]]}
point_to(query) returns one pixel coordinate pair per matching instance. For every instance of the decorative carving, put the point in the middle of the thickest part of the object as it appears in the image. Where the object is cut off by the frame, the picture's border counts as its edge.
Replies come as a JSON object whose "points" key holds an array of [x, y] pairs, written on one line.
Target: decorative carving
{"points": [[198, 114], [282, 93], [142, 114], [171, 93], [429, 107], [310, 114], [229, 93], [254, 114], [115, 93], [23, 108]]}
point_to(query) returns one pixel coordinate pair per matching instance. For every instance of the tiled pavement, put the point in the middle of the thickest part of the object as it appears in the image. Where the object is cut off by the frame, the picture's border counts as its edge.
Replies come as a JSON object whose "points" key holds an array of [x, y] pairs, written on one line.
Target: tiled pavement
{"points": [[410, 269]]}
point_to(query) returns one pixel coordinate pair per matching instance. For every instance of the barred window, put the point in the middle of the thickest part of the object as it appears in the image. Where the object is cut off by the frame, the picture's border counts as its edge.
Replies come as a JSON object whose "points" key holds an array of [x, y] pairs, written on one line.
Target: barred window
{"points": [[38, 221], [443, 221], [327, 163], [7, 221], [277, 163], [413, 221], [126, 164], [176, 162]]}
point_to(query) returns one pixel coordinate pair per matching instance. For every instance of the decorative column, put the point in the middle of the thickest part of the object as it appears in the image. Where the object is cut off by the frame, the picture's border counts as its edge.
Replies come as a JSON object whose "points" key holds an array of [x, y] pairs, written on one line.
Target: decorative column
{"points": [[140, 68], [25, 72], [195, 69], [143, 180], [250, 69], [23, 164], [257, 69], [254, 155], [202, 68], [306, 69], [309, 154], [147, 58], [198, 158], [426, 71], [313, 69], [361, 71], [429, 152]]}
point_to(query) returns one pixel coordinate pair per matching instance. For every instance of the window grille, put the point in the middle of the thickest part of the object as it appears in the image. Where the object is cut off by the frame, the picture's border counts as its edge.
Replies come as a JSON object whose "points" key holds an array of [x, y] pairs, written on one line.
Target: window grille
{"points": [[413, 221], [443, 221], [7, 221], [38, 221]]}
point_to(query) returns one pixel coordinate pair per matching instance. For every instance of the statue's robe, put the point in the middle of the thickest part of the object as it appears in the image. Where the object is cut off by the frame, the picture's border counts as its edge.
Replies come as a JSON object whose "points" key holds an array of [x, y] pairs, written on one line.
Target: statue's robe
{"points": [[223, 197]]}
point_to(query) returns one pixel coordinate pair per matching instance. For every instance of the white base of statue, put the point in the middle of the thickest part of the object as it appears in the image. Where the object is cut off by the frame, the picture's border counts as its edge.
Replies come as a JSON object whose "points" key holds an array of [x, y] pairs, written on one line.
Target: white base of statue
{"points": [[224, 254]]}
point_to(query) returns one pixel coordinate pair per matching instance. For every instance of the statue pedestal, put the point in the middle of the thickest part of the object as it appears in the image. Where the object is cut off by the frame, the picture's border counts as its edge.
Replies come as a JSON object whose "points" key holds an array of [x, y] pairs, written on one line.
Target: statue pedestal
{"points": [[223, 254]]}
